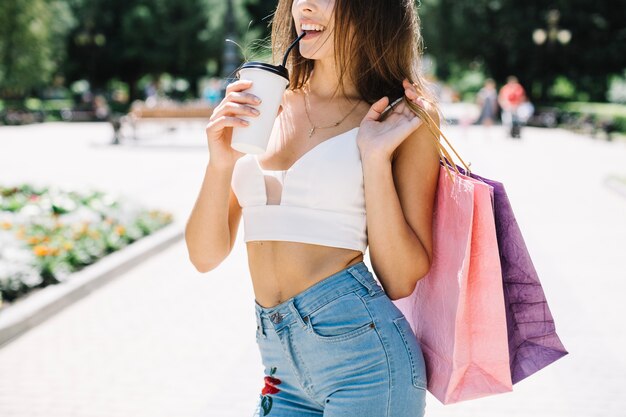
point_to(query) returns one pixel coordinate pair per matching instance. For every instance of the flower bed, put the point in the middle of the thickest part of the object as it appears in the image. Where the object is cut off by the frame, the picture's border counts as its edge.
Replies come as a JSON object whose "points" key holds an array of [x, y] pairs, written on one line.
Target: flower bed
{"points": [[47, 233]]}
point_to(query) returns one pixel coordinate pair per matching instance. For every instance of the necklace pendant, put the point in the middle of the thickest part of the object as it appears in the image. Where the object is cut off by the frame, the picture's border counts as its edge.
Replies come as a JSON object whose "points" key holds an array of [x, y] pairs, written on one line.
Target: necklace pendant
{"points": [[311, 132]]}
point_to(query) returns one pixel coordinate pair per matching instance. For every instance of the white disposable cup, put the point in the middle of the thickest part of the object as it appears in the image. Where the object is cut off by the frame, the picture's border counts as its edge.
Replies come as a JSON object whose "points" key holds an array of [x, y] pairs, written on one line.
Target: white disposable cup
{"points": [[268, 83]]}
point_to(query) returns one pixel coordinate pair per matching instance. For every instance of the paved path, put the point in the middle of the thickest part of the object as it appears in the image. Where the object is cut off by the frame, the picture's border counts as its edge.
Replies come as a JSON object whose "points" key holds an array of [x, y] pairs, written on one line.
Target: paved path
{"points": [[165, 340]]}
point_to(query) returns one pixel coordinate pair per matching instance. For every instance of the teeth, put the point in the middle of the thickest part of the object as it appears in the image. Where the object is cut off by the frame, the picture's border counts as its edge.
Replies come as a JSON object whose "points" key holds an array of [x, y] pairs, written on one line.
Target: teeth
{"points": [[308, 26]]}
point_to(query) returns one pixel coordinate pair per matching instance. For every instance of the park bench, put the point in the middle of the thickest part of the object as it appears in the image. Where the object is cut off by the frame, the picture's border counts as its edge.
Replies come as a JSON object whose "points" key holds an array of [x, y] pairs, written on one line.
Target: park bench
{"points": [[167, 114]]}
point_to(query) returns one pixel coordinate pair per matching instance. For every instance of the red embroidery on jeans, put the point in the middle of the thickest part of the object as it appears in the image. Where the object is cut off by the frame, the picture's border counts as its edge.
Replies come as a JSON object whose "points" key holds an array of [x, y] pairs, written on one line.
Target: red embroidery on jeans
{"points": [[269, 388]]}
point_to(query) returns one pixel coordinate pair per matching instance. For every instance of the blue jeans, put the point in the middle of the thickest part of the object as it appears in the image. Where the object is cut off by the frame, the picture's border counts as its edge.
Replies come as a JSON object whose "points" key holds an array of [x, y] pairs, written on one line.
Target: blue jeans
{"points": [[340, 348]]}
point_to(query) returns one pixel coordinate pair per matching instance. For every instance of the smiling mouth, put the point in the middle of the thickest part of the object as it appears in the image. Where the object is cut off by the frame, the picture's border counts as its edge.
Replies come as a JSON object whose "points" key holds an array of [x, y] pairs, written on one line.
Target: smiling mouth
{"points": [[312, 30], [309, 27]]}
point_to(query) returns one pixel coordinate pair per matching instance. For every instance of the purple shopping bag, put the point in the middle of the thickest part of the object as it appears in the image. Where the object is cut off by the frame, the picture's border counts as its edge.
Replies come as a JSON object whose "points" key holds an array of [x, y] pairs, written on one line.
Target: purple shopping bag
{"points": [[533, 342]]}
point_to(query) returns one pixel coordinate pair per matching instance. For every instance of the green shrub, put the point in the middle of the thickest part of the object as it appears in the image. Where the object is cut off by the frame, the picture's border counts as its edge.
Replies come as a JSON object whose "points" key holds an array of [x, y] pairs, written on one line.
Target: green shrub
{"points": [[48, 233]]}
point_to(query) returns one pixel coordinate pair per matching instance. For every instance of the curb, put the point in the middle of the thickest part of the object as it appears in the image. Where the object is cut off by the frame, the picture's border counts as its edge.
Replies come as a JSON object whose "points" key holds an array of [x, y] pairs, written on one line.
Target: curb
{"points": [[25, 314]]}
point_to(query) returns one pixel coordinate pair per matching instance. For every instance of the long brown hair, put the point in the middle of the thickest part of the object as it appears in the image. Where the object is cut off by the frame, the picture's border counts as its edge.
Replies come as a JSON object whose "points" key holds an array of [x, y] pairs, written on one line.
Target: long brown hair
{"points": [[384, 48]]}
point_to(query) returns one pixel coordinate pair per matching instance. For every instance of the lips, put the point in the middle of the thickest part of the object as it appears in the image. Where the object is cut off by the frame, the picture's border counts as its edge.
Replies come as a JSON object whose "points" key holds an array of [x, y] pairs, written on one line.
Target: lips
{"points": [[311, 34], [311, 28]]}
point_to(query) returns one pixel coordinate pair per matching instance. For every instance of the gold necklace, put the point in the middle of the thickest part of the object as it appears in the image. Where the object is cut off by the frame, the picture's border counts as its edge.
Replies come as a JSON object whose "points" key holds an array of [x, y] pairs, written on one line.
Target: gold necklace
{"points": [[313, 127]]}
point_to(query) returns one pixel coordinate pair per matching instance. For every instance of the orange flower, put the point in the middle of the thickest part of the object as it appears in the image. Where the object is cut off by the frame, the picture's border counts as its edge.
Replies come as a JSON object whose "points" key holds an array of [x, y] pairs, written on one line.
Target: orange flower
{"points": [[6, 225], [120, 230], [42, 250]]}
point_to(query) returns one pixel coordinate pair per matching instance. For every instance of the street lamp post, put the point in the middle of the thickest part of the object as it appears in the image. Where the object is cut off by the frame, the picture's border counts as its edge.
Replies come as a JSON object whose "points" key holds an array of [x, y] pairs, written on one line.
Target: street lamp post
{"points": [[90, 40], [551, 35]]}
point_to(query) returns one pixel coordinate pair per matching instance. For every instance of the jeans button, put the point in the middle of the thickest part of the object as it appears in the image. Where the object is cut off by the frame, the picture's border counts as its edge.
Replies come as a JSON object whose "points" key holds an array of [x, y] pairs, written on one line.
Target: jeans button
{"points": [[276, 317]]}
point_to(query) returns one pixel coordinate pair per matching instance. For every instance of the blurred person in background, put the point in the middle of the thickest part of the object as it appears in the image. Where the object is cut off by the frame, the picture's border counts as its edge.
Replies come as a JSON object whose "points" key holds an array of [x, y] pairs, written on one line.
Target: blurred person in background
{"points": [[525, 111], [511, 96], [487, 99], [213, 91]]}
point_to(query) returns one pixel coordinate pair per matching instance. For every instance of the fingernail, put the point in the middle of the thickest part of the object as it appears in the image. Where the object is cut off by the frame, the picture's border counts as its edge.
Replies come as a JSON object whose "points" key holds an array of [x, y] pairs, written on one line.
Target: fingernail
{"points": [[255, 111], [257, 100]]}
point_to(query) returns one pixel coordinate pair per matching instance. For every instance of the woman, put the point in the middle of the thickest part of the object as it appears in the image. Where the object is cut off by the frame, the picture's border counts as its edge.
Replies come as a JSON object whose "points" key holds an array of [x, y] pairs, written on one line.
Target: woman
{"points": [[331, 340]]}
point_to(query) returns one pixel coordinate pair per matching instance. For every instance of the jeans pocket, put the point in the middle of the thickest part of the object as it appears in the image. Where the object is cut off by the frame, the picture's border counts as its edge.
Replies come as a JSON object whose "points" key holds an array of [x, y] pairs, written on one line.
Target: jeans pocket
{"points": [[414, 351], [341, 319]]}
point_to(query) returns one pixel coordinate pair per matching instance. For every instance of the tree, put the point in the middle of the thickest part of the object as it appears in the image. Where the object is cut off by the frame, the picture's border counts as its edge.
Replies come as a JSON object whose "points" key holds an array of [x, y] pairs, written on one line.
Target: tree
{"points": [[127, 39], [261, 13], [31, 43], [499, 35]]}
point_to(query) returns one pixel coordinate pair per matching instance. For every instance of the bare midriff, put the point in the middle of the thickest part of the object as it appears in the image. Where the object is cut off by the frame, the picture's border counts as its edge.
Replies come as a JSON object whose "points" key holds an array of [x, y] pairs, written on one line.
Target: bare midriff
{"points": [[281, 270]]}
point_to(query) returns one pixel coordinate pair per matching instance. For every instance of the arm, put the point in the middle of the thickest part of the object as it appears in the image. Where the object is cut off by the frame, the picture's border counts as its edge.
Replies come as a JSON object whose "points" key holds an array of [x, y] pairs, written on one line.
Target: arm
{"points": [[212, 226], [400, 197]]}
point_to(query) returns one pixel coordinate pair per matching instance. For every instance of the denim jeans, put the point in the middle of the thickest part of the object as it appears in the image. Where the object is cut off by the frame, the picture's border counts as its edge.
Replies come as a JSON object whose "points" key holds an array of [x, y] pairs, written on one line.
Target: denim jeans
{"points": [[339, 348]]}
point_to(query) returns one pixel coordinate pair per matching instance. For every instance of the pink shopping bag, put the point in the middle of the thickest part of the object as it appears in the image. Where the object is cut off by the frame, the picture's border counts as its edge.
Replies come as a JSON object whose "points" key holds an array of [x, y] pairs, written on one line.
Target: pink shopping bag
{"points": [[457, 310]]}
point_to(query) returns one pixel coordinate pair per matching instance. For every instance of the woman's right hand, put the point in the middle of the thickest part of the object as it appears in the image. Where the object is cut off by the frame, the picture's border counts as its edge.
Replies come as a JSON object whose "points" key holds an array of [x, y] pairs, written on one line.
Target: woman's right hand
{"points": [[225, 116]]}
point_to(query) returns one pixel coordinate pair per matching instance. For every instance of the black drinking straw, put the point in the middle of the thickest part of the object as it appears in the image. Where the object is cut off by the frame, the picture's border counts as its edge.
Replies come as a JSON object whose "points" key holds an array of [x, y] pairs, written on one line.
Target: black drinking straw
{"points": [[291, 47]]}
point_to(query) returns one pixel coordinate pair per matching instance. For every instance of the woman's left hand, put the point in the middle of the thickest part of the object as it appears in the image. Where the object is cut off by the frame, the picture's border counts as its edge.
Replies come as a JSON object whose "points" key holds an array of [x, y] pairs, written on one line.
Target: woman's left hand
{"points": [[380, 139]]}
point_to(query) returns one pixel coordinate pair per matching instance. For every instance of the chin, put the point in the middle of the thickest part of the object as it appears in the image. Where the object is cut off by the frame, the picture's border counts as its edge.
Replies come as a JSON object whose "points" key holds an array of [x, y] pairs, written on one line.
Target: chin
{"points": [[310, 53]]}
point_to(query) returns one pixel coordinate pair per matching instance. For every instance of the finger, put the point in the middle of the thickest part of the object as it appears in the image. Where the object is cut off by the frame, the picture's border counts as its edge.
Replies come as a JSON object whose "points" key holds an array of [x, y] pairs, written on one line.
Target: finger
{"points": [[238, 86], [246, 98], [235, 109], [407, 85], [410, 93], [226, 121], [241, 109], [413, 97], [410, 90], [376, 109]]}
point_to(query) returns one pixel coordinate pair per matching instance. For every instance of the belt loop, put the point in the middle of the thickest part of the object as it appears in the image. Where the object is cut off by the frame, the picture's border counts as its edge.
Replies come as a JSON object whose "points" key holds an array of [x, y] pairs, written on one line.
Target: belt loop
{"points": [[296, 314], [371, 287], [259, 323]]}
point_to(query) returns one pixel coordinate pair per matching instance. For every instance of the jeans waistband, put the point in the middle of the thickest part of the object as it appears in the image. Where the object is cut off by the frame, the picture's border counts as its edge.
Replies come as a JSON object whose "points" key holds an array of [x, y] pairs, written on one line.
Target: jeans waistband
{"points": [[352, 278]]}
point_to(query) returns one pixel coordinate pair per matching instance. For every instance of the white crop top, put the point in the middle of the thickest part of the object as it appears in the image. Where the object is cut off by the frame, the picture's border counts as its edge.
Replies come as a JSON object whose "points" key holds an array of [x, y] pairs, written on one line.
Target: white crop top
{"points": [[322, 199]]}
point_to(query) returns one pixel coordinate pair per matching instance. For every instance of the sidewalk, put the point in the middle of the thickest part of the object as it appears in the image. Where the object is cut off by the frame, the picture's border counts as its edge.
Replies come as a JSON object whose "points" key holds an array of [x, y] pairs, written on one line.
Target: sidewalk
{"points": [[165, 340]]}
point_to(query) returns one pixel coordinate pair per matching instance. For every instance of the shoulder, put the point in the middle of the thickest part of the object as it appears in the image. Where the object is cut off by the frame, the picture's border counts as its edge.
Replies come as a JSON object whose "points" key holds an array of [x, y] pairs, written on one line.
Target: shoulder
{"points": [[422, 143], [415, 171], [288, 99], [289, 95]]}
